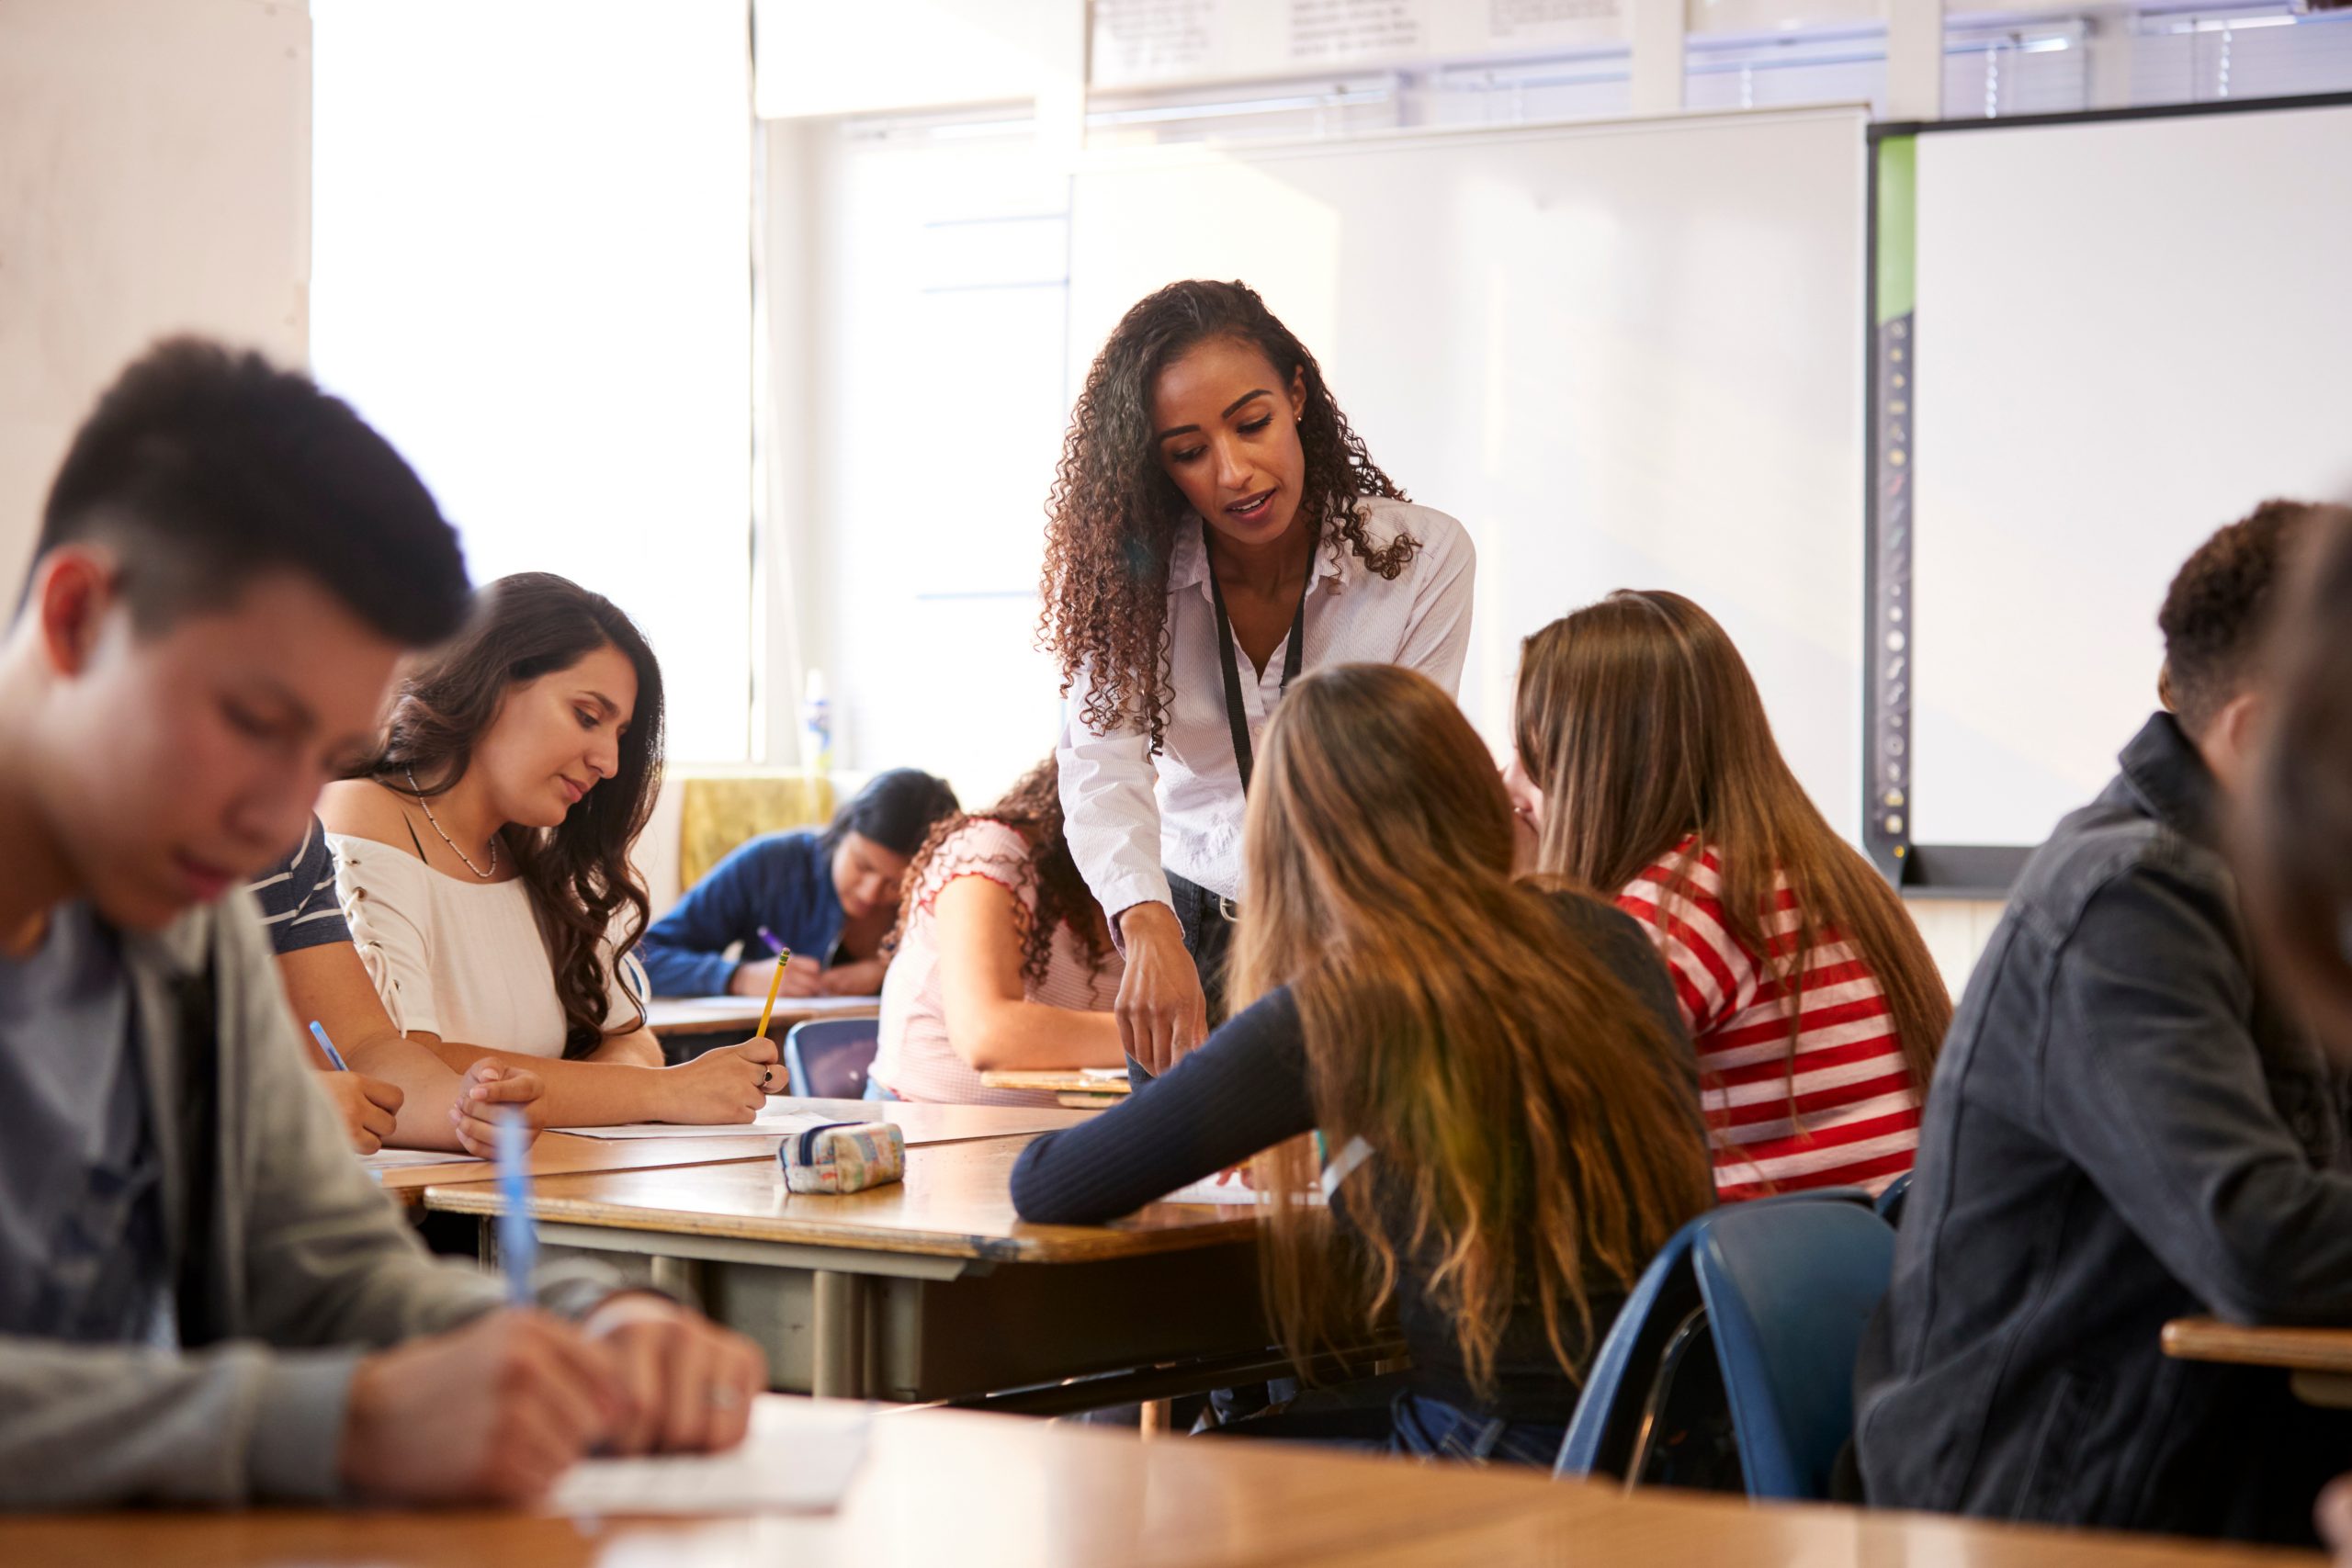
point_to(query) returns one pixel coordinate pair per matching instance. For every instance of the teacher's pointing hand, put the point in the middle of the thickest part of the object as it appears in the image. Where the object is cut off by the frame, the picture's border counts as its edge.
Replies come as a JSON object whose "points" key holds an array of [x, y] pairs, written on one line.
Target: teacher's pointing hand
{"points": [[1161, 1011]]}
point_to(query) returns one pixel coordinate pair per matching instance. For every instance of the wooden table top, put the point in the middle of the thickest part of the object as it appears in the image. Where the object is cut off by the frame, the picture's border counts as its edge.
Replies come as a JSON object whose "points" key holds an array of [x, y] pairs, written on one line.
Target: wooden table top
{"points": [[944, 1489], [955, 1203], [566, 1153], [1061, 1080], [2296, 1350], [740, 1015]]}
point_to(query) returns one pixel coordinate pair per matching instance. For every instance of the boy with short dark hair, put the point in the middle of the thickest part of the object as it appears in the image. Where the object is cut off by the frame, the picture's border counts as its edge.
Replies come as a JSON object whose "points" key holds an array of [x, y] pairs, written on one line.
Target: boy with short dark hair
{"points": [[2125, 1127], [202, 1298]]}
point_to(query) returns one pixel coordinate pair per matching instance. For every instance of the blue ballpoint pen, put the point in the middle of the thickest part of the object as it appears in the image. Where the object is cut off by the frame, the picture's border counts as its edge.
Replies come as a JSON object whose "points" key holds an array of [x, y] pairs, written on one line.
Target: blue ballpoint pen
{"points": [[319, 1033], [518, 1239]]}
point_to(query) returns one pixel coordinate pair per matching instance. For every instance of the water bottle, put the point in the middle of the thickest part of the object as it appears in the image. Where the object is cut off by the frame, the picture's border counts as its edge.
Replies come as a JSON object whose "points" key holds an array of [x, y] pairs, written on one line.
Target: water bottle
{"points": [[816, 725]]}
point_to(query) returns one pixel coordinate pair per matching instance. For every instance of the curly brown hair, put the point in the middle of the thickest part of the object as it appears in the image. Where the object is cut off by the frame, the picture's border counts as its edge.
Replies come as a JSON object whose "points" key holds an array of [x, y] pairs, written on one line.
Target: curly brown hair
{"points": [[1032, 808], [1112, 518]]}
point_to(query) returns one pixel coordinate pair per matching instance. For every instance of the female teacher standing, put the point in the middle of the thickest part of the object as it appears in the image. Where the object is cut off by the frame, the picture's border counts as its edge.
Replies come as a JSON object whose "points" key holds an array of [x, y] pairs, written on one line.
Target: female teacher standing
{"points": [[1215, 527]]}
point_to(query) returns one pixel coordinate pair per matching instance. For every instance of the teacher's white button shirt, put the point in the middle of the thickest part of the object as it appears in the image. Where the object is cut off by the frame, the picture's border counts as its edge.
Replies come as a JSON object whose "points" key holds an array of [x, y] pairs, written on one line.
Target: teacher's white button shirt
{"points": [[1128, 813]]}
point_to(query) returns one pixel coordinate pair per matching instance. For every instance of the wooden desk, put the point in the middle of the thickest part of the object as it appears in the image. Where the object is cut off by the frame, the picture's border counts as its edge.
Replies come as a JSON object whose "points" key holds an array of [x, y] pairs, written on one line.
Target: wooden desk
{"points": [[941, 1488], [740, 1016], [2319, 1359], [566, 1153], [1070, 1086], [927, 1289]]}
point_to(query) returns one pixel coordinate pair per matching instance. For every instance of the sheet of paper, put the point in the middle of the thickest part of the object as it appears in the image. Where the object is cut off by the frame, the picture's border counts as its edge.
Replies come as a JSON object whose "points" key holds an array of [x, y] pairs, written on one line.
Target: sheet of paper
{"points": [[770, 1124], [405, 1160], [801, 1456], [1224, 1189]]}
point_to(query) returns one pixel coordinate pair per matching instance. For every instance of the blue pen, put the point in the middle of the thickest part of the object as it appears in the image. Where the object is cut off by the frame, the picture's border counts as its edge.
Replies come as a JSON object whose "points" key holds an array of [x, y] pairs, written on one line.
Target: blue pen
{"points": [[518, 1239], [319, 1033], [775, 948]]}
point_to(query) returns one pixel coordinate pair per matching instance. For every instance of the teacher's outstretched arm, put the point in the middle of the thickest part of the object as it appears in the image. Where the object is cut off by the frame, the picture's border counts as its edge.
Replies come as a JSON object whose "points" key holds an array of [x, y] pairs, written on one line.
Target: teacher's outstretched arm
{"points": [[1111, 817]]}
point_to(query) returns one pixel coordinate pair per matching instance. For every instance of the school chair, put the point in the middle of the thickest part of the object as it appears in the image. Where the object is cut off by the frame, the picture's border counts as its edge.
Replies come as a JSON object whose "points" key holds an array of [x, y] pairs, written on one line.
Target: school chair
{"points": [[826, 1058], [1789, 1291], [1657, 1358], [1890, 1202]]}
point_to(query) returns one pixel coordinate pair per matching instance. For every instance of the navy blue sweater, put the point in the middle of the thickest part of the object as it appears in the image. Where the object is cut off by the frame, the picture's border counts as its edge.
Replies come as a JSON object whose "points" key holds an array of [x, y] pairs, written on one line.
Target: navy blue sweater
{"points": [[782, 881], [1246, 1089]]}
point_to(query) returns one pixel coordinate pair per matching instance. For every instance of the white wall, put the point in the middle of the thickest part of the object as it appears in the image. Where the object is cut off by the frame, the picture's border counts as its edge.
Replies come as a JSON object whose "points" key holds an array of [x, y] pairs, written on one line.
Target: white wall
{"points": [[155, 178]]}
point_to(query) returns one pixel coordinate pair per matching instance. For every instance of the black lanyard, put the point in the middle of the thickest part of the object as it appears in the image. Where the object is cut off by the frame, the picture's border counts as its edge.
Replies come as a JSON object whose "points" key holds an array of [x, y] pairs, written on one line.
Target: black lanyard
{"points": [[1292, 656]]}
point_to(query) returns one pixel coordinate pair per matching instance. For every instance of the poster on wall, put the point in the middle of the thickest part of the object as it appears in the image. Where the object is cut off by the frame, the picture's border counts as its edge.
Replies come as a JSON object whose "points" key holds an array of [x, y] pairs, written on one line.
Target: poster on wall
{"points": [[1159, 44]]}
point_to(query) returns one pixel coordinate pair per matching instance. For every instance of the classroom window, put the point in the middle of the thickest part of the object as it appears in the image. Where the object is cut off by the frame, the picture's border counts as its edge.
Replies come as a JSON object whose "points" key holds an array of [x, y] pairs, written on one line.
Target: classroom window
{"points": [[531, 261]]}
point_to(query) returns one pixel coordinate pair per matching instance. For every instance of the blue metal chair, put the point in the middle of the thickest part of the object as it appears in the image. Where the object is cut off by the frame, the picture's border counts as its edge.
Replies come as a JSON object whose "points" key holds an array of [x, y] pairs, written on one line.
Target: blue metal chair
{"points": [[827, 1058], [1890, 1201], [1616, 1424], [1788, 1291]]}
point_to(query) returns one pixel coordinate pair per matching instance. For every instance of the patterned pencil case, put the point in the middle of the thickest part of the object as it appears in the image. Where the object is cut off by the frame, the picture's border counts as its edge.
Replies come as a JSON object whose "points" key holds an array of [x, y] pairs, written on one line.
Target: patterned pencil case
{"points": [[843, 1157]]}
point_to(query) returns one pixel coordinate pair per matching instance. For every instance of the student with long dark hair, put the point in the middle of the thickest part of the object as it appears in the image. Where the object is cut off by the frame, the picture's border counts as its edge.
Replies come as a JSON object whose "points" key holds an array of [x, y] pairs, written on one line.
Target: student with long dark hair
{"points": [[482, 857], [1496, 1073], [1000, 959], [1647, 765], [1216, 528], [829, 896]]}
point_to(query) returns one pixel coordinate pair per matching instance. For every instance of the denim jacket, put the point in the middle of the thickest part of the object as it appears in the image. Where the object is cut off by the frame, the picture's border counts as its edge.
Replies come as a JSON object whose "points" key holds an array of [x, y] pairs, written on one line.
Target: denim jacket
{"points": [[2124, 1128]]}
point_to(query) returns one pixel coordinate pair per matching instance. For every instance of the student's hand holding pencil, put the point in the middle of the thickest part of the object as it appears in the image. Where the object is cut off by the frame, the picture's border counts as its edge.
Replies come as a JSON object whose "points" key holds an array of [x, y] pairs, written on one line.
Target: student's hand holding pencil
{"points": [[726, 1085], [369, 1107]]}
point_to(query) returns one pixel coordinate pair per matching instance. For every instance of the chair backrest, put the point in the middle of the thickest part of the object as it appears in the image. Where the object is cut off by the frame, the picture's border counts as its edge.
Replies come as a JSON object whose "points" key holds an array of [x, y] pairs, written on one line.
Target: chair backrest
{"points": [[826, 1058], [1621, 1388], [1606, 1428], [1890, 1201], [1789, 1288]]}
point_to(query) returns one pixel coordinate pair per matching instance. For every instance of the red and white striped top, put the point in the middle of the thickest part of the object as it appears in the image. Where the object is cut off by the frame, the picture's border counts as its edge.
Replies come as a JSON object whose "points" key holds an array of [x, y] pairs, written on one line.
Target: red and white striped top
{"points": [[1844, 1111]]}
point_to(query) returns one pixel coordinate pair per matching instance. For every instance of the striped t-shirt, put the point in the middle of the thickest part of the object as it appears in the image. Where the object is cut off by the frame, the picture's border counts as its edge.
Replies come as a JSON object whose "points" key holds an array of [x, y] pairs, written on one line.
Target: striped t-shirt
{"points": [[299, 905], [1844, 1113]]}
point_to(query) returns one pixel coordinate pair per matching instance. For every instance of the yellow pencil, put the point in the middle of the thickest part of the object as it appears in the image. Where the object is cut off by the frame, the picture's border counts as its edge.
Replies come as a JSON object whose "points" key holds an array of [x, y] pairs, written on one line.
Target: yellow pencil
{"points": [[783, 957]]}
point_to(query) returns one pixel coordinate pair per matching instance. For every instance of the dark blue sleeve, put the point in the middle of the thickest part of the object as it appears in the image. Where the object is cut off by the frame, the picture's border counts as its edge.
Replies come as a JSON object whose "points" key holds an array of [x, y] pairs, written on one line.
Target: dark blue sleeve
{"points": [[1245, 1089], [299, 906], [763, 882]]}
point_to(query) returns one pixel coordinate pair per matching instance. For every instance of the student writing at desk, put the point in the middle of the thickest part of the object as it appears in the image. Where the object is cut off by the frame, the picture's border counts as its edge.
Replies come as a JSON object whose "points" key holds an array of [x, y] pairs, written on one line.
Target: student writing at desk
{"points": [[830, 897], [1003, 959], [483, 861], [203, 1299], [1215, 529], [1498, 1073]]}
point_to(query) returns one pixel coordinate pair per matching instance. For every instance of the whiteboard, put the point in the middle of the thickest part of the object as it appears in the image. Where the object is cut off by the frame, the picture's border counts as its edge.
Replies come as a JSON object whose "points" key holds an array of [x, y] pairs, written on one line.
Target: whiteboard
{"points": [[1623, 354], [2128, 332]]}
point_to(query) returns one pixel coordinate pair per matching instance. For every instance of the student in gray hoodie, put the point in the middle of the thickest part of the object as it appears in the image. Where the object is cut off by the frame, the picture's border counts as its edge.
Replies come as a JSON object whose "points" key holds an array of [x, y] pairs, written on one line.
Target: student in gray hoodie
{"points": [[2129, 1123], [203, 1298]]}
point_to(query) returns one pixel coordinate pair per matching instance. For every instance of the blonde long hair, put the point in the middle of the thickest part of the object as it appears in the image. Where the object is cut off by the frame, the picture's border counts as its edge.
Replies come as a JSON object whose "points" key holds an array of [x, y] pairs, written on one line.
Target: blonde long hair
{"points": [[1526, 1113], [1639, 721]]}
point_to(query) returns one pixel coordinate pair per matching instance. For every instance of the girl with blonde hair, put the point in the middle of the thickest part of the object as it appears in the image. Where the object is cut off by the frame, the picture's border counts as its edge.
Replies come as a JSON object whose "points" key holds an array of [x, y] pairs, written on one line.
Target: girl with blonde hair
{"points": [[1498, 1072]]}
